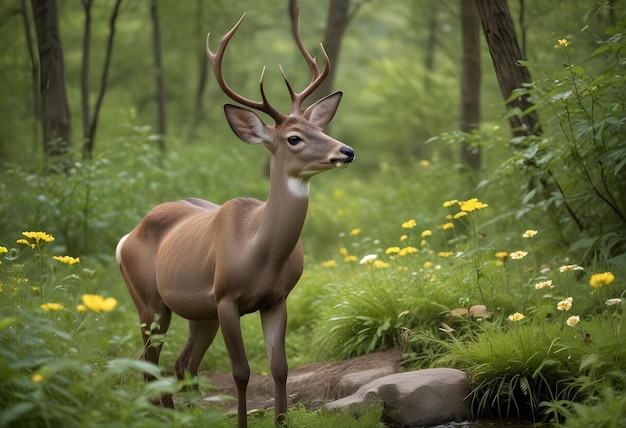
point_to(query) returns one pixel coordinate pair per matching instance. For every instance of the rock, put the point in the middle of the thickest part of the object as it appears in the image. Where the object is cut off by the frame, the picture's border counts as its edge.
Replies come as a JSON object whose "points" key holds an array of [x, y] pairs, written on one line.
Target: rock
{"points": [[349, 383], [419, 398]]}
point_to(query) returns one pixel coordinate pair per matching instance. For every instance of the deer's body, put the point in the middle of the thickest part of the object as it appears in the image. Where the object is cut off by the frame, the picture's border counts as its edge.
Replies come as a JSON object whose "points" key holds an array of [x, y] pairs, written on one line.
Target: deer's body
{"points": [[212, 264]]}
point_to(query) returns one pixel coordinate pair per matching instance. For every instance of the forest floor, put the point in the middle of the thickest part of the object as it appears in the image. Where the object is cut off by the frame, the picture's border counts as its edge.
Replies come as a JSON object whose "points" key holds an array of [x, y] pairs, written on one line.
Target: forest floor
{"points": [[310, 385]]}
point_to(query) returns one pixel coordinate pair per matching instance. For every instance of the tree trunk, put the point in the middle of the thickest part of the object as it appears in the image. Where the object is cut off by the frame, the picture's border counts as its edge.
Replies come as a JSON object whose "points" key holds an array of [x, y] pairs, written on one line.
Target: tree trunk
{"points": [[84, 74], [336, 23], [34, 73], [470, 80], [505, 54], [197, 114], [92, 122], [55, 112], [431, 40], [158, 73]]}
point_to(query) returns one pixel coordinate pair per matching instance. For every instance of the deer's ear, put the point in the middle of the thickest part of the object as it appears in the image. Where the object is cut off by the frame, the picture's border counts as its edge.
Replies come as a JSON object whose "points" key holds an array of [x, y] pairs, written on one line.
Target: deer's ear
{"points": [[247, 125], [323, 111]]}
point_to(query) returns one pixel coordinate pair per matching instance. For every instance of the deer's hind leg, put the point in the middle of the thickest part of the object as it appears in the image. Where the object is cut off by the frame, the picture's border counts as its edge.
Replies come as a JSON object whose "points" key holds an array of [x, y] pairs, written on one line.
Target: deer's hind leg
{"points": [[201, 335]]}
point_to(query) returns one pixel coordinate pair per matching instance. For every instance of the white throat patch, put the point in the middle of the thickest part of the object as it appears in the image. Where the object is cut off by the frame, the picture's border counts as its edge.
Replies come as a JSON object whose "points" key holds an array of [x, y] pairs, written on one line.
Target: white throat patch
{"points": [[298, 187]]}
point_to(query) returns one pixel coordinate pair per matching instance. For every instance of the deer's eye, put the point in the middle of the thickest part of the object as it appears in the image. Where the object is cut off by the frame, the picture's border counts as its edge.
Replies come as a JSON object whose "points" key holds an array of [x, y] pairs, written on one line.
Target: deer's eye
{"points": [[294, 140]]}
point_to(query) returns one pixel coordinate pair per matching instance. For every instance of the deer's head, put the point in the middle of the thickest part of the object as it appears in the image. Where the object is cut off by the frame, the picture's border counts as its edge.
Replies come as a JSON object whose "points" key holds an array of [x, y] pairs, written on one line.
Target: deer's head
{"points": [[296, 141]]}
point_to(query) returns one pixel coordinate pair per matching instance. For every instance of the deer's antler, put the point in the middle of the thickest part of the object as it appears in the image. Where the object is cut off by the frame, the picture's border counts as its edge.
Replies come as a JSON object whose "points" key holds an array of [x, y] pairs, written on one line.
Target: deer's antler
{"points": [[264, 106]]}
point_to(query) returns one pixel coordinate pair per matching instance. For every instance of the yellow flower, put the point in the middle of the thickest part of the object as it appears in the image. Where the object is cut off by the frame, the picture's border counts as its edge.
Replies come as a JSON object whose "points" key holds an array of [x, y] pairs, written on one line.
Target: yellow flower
{"points": [[598, 280], [529, 233], [409, 224], [392, 250], [562, 43], [428, 265], [472, 205], [355, 232], [459, 215], [502, 255], [447, 226], [445, 254], [39, 236], [379, 264], [343, 251], [573, 320], [25, 242], [517, 316], [403, 268], [407, 250], [426, 233], [567, 268], [565, 305], [424, 163], [404, 238], [68, 260], [329, 263], [3, 250], [37, 378], [51, 306], [518, 255], [543, 284], [98, 303], [350, 259], [81, 308], [448, 204]]}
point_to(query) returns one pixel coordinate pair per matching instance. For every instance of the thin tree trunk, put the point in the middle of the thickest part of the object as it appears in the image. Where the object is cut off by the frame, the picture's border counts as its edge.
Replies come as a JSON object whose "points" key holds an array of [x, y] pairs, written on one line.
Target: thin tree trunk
{"points": [[55, 112], [431, 40], [84, 73], [158, 73], [505, 54], [93, 121], [198, 107], [470, 80], [34, 64]]}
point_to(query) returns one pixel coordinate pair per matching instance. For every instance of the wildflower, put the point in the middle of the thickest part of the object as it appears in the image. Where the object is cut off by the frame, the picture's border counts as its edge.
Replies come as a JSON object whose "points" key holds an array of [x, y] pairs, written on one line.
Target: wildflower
{"points": [[81, 308], [613, 301], [445, 254], [68, 260], [567, 268], [543, 284], [459, 215], [448, 204], [447, 226], [343, 251], [379, 264], [355, 232], [409, 224], [426, 233], [598, 280], [392, 250], [25, 242], [39, 236], [518, 255], [403, 268], [3, 250], [472, 205], [573, 320], [407, 250], [329, 263], [529, 233], [565, 305], [51, 306], [517, 316], [428, 265], [37, 378], [350, 259], [404, 238], [369, 259], [562, 43], [424, 163], [502, 255], [98, 303]]}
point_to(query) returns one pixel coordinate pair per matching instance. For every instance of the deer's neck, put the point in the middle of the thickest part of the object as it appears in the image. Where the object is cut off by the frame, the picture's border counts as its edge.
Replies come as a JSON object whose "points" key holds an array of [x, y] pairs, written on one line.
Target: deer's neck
{"points": [[282, 217]]}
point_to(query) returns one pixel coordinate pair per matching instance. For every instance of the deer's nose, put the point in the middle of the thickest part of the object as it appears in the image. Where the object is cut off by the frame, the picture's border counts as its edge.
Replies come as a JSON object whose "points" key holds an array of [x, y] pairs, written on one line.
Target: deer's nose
{"points": [[348, 152]]}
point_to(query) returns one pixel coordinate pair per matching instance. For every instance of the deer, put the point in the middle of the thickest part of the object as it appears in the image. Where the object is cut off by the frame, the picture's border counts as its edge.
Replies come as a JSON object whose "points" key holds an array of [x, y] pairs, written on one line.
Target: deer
{"points": [[212, 264]]}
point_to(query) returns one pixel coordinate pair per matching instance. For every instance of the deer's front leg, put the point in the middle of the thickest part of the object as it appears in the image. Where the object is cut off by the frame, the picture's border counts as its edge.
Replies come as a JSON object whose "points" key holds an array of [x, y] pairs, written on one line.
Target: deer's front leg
{"points": [[274, 322], [228, 314]]}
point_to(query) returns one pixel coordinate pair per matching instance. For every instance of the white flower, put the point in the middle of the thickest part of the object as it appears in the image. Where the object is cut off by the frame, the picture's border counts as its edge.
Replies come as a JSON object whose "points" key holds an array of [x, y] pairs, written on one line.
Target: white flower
{"points": [[369, 259], [573, 320], [613, 301]]}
